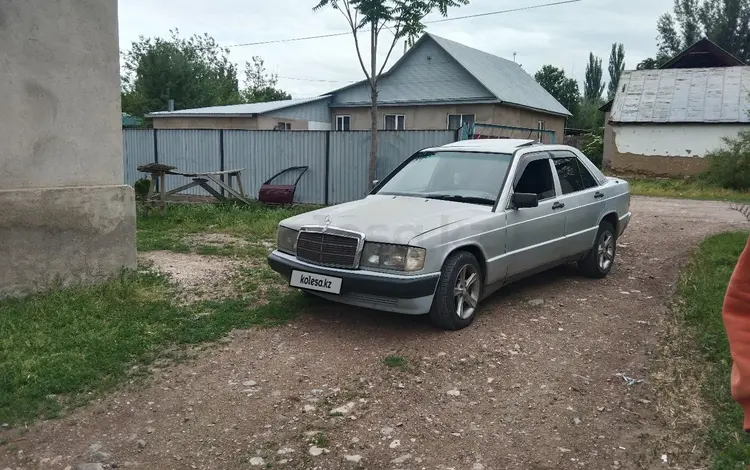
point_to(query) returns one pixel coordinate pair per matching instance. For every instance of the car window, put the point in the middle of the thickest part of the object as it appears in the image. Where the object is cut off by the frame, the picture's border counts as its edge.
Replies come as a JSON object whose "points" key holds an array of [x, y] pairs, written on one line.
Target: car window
{"points": [[569, 174], [537, 179], [588, 179], [465, 174]]}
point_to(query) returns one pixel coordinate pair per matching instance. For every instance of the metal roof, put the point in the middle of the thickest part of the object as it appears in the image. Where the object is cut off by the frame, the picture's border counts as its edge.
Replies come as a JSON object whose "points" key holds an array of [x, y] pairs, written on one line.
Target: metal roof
{"points": [[719, 95], [502, 77], [237, 109]]}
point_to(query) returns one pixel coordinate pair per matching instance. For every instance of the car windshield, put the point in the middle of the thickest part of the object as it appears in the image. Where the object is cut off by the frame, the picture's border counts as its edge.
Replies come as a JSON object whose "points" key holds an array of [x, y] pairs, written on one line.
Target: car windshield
{"points": [[458, 176]]}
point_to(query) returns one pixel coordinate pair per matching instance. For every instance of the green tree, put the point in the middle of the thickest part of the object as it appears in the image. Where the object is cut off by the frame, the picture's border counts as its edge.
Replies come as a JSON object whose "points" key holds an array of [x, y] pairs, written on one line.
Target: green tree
{"points": [[195, 72], [593, 85], [587, 115], [725, 22], [261, 84], [403, 19], [650, 63], [616, 67], [563, 89], [672, 40]]}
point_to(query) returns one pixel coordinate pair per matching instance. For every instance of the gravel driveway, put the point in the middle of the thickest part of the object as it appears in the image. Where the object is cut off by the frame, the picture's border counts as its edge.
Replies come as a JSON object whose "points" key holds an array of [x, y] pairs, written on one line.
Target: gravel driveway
{"points": [[532, 384]]}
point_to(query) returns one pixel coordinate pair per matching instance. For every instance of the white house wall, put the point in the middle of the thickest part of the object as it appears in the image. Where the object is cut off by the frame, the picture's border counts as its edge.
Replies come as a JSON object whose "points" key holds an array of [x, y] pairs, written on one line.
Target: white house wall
{"points": [[666, 149], [676, 140]]}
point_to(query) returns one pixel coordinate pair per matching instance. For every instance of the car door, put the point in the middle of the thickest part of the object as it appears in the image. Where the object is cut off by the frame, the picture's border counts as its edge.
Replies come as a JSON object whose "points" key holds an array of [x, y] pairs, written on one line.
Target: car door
{"points": [[534, 235], [582, 199]]}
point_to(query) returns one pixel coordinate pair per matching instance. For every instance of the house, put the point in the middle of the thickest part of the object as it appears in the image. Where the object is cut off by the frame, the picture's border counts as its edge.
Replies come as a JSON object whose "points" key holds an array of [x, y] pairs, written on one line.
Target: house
{"points": [[662, 122], [299, 114], [436, 84]]}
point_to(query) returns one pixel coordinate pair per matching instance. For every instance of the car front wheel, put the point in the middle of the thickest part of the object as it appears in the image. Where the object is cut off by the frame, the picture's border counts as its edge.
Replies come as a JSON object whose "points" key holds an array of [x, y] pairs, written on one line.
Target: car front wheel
{"points": [[458, 292], [598, 262]]}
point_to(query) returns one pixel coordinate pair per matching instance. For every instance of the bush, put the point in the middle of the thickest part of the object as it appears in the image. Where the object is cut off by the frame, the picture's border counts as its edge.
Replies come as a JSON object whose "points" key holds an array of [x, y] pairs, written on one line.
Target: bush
{"points": [[729, 166], [141, 188], [593, 147]]}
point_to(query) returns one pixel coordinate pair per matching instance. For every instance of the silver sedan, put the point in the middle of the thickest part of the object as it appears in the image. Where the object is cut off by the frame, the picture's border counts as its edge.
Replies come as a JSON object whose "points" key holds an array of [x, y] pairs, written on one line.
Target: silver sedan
{"points": [[453, 224]]}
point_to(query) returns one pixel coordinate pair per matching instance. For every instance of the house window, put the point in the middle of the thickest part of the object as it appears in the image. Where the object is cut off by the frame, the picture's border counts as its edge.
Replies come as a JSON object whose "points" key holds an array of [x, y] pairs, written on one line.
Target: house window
{"points": [[343, 122], [284, 126], [456, 121], [395, 122], [540, 135]]}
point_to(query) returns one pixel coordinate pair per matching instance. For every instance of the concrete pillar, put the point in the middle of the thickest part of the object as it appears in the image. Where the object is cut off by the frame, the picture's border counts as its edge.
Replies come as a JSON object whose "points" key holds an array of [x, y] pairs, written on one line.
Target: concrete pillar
{"points": [[65, 215]]}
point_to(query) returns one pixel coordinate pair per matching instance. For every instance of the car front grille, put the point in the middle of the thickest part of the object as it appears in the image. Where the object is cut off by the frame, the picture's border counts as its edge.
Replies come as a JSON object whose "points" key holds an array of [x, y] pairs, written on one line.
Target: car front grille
{"points": [[327, 249]]}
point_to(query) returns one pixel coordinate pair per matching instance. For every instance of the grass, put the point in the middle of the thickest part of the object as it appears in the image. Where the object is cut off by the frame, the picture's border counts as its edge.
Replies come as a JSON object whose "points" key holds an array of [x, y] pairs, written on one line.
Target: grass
{"points": [[396, 362], [253, 222], [321, 440], [685, 189], [59, 349], [701, 292]]}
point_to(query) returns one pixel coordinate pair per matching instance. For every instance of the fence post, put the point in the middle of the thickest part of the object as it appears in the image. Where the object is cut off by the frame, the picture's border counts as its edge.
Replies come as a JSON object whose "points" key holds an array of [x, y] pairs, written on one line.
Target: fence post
{"points": [[156, 156], [327, 164], [221, 156]]}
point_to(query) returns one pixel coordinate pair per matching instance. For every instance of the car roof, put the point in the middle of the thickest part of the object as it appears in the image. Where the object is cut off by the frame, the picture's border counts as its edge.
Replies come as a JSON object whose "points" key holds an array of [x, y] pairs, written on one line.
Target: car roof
{"points": [[494, 145]]}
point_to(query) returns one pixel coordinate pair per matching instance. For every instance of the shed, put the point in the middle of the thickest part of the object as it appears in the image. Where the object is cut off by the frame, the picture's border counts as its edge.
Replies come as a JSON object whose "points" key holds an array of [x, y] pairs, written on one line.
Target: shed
{"points": [[663, 122]]}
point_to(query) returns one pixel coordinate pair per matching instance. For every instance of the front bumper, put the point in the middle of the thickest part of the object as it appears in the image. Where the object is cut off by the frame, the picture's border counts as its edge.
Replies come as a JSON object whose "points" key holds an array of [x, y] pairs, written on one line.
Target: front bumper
{"points": [[411, 294]]}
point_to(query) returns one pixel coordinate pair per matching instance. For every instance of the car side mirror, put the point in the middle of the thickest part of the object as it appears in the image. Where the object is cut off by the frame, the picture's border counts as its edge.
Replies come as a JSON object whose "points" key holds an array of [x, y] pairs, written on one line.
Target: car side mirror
{"points": [[375, 183], [521, 200]]}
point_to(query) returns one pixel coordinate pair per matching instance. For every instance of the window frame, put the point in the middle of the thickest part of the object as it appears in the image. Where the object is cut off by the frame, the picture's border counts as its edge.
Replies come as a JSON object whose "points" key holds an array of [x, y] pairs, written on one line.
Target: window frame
{"points": [[461, 115], [395, 118], [523, 162], [284, 126], [567, 154], [342, 117]]}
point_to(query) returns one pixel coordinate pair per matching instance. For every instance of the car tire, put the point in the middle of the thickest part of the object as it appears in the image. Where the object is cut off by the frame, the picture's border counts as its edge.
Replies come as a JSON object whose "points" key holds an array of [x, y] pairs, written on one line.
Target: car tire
{"points": [[599, 261], [460, 271]]}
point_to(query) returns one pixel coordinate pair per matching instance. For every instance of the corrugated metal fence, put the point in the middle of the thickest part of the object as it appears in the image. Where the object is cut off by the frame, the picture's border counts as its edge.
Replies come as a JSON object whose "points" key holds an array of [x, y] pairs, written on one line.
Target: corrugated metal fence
{"points": [[337, 161]]}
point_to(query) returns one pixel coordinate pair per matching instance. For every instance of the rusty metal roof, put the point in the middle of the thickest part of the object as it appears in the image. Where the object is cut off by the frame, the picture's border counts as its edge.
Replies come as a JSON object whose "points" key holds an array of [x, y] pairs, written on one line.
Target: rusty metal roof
{"points": [[707, 95]]}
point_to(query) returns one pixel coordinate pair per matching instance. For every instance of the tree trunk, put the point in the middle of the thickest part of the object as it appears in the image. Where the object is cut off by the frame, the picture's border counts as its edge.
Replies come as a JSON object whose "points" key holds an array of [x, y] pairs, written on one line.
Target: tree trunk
{"points": [[372, 173]]}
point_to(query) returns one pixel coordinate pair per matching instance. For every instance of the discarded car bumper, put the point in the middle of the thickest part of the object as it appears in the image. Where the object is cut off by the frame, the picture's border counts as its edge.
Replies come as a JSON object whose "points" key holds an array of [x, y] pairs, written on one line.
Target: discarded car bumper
{"points": [[409, 294]]}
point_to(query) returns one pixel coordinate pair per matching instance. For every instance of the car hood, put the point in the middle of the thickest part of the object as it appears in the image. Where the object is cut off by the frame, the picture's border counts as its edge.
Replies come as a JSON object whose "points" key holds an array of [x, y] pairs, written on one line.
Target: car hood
{"points": [[389, 219]]}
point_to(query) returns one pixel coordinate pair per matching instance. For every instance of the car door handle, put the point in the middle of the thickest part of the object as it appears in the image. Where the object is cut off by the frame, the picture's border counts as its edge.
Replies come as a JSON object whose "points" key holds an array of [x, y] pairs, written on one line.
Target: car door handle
{"points": [[598, 195], [557, 205]]}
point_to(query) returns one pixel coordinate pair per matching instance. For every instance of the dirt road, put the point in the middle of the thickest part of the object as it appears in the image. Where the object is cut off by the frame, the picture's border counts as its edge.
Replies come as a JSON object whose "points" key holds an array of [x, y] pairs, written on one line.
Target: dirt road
{"points": [[532, 384]]}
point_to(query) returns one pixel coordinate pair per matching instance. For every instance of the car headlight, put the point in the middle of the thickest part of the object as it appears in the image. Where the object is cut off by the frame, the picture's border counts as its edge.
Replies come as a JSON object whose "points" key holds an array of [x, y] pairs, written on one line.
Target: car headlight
{"points": [[286, 240], [396, 257]]}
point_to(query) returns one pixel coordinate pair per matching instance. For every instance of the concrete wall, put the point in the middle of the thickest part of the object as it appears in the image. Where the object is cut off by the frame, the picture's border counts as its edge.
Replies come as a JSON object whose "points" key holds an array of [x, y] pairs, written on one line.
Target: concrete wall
{"points": [[269, 122], [64, 214], [266, 123], [436, 117], [666, 149], [248, 123]]}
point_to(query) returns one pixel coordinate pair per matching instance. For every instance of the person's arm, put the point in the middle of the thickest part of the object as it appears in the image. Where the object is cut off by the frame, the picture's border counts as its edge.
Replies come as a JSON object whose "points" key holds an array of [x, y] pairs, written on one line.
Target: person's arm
{"points": [[736, 314]]}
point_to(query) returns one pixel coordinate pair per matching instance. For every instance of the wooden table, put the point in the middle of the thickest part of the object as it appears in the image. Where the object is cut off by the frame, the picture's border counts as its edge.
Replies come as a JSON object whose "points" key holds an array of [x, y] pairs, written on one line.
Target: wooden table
{"points": [[159, 173]]}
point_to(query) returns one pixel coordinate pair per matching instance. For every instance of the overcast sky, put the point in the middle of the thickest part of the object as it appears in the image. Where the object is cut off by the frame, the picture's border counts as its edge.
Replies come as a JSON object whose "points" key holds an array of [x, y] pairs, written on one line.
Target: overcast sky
{"points": [[560, 35]]}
